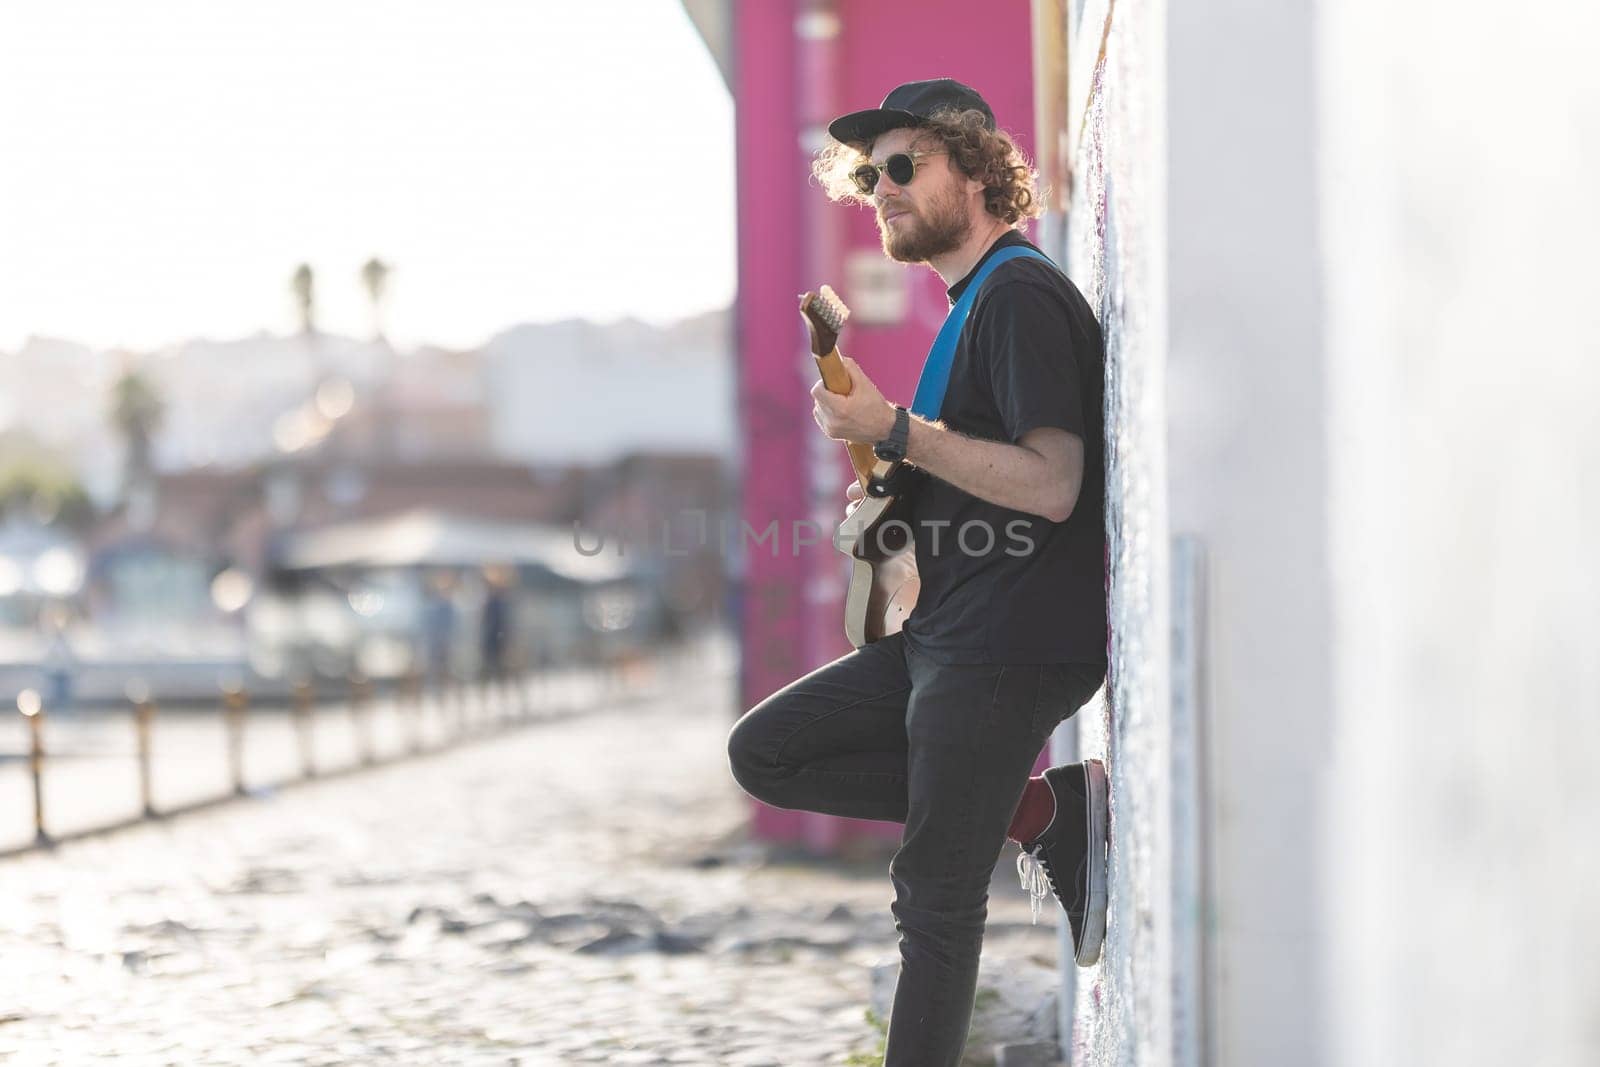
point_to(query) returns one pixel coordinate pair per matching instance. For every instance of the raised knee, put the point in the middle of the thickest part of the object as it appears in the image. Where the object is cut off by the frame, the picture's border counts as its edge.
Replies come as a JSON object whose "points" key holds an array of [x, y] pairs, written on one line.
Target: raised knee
{"points": [[745, 761]]}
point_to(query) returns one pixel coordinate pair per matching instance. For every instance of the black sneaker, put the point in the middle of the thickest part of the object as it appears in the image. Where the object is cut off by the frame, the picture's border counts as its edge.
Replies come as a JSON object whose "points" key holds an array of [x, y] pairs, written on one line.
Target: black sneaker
{"points": [[1068, 857]]}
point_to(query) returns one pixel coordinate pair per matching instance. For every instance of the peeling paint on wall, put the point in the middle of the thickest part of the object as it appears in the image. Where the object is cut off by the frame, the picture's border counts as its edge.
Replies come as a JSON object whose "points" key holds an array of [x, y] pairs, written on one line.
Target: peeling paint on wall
{"points": [[1124, 1003]]}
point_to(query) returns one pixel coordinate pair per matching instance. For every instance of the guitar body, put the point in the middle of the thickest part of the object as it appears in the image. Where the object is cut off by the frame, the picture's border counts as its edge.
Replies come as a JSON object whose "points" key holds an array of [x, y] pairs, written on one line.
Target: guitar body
{"points": [[883, 572], [883, 562]]}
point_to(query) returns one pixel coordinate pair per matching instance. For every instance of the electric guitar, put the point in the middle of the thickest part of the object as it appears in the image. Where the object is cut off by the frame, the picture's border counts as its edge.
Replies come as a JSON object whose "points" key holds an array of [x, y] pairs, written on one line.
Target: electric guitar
{"points": [[883, 571]]}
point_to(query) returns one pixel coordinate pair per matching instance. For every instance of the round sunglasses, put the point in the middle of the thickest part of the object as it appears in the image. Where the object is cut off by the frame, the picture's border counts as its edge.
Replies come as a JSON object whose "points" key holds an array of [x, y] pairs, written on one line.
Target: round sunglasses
{"points": [[901, 167]]}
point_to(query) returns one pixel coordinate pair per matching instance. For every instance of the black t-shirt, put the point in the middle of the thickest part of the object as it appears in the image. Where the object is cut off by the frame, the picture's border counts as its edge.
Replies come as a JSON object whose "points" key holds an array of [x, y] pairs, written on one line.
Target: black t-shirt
{"points": [[1030, 355]]}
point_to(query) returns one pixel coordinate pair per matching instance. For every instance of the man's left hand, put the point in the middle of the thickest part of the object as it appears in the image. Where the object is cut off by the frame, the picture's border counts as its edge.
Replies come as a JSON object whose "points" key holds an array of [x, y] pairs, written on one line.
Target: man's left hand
{"points": [[863, 415]]}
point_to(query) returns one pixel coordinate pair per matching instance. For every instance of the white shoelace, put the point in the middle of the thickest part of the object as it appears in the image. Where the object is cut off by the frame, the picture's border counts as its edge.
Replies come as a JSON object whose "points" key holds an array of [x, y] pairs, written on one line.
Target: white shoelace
{"points": [[1034, 881]]}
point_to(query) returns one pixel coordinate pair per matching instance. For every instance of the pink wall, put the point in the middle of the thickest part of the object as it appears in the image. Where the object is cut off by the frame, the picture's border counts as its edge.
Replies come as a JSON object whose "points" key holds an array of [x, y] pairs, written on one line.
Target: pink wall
{"points": [[792, 239]]}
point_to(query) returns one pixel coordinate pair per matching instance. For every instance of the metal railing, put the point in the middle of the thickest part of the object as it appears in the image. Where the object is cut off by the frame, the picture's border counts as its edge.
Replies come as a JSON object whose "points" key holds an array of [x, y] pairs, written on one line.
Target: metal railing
{"points": [[433, 718]]}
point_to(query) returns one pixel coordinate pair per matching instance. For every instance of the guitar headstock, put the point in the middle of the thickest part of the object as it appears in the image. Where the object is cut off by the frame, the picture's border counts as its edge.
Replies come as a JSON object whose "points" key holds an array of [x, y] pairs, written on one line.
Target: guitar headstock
{"points": [[825, 314]]}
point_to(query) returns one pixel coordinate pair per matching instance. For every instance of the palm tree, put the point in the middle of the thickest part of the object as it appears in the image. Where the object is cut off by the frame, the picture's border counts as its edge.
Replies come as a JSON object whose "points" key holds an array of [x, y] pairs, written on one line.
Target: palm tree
{"points": [[375, 276], [304, 287], [136, 413]]}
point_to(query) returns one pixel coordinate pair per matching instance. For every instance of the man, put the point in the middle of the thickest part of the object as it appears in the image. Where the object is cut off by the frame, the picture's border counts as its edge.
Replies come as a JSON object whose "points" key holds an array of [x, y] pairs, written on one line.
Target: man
{"points": [[937, 726]]}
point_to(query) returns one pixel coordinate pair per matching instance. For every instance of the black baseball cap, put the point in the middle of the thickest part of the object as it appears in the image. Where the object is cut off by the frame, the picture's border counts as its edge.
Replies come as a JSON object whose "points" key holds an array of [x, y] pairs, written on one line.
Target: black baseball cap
{"points": [[911, 104]]}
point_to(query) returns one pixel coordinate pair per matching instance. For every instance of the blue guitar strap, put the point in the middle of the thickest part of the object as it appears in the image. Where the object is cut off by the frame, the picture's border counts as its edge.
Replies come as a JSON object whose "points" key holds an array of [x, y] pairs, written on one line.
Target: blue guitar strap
{"points": [[935, 377]]}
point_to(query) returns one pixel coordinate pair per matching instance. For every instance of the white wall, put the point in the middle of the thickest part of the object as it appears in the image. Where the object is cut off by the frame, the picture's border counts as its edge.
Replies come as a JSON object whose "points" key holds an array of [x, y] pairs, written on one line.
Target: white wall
{"points": [[1345, 256], [1248, 478], [1460, 159]]}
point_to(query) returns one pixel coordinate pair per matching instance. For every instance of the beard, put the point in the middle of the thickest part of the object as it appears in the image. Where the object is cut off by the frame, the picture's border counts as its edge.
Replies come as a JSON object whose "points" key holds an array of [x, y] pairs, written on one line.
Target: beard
{"points": [[940, 227]]}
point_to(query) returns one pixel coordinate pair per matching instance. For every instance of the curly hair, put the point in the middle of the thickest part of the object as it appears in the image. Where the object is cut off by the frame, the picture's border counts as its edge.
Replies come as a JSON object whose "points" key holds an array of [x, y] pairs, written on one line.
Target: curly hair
{"points": [[1009, 183]]}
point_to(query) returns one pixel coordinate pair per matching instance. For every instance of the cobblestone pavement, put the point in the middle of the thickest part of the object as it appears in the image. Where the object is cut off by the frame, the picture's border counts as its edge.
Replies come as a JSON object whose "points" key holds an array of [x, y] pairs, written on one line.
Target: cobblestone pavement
{"points": [[579, 891]]}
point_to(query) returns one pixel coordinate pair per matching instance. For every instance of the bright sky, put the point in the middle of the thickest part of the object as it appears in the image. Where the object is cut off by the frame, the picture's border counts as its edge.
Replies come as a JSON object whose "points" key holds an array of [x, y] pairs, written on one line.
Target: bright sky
{"points": [[165, 165]]}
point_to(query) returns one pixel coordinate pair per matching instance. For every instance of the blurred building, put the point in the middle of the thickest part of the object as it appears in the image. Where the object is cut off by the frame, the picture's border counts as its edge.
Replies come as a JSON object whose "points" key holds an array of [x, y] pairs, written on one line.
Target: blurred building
{"points": [[671, 513], [259, 443], [592, 392], [432, 407], [519, 595]]}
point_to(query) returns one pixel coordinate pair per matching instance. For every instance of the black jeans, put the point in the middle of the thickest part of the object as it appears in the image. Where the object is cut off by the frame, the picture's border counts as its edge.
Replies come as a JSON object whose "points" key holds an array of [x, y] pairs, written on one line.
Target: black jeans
{"points": [[883, 732]]}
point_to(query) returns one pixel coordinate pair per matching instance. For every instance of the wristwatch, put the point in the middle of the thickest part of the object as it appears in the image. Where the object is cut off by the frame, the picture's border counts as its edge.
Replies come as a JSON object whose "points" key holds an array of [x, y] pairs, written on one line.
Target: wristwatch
{"points": [[893, 447]]}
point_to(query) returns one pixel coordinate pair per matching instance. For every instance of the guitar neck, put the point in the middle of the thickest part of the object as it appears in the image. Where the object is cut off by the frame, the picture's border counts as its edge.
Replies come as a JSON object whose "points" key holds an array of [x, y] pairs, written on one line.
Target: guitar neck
{"points": [[837, 379]]}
